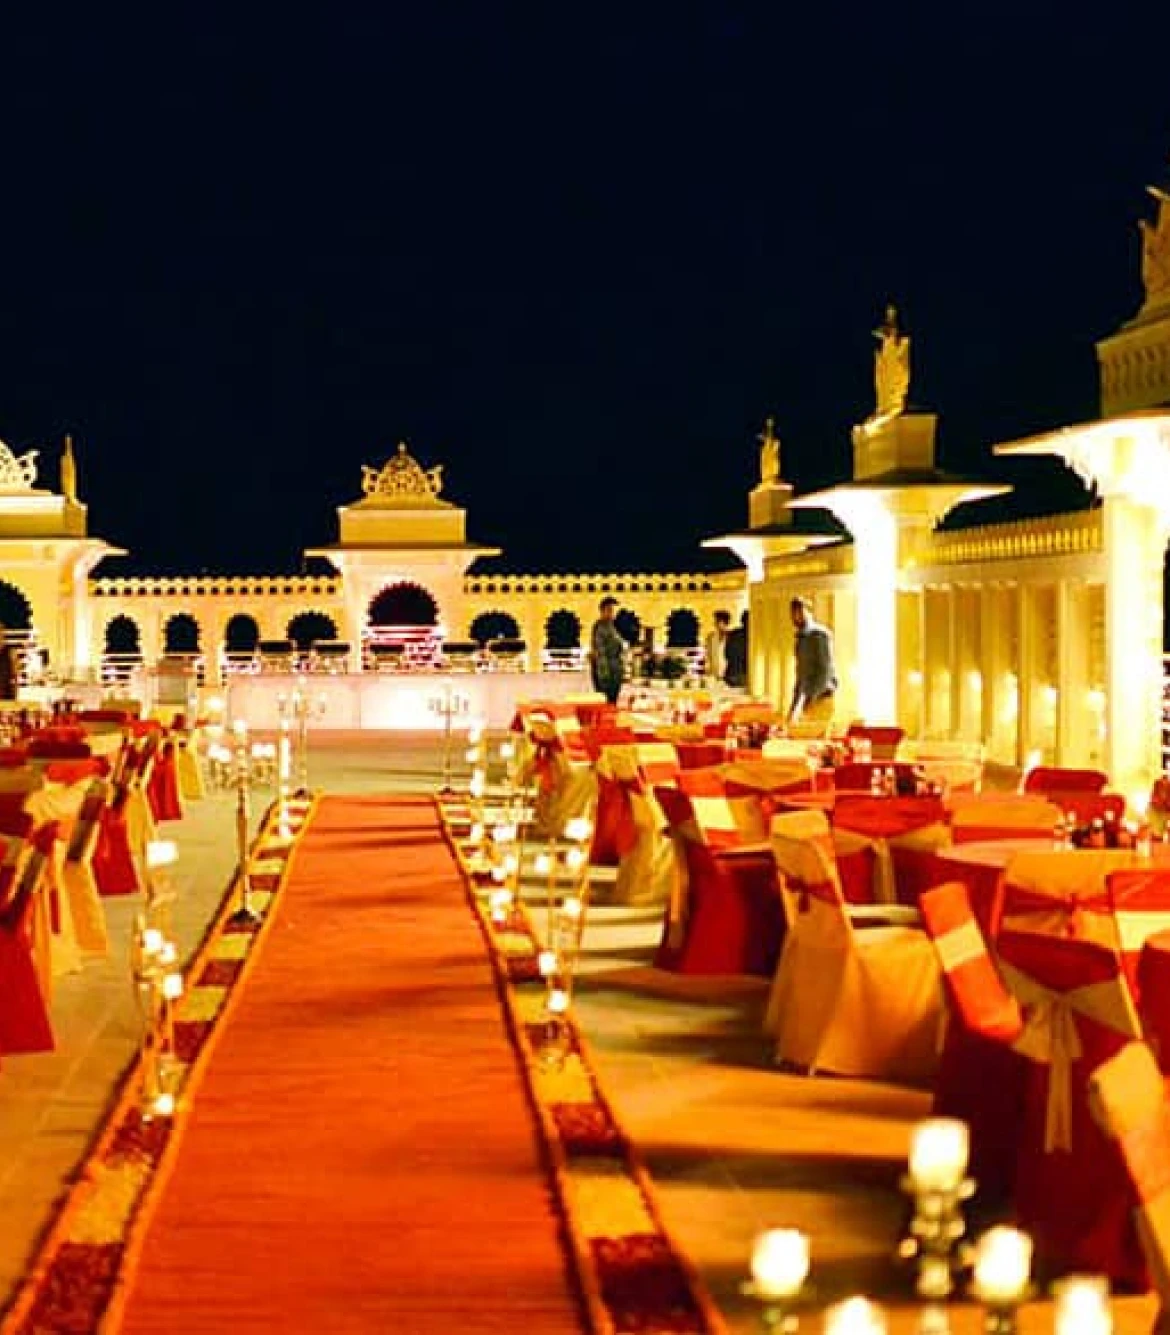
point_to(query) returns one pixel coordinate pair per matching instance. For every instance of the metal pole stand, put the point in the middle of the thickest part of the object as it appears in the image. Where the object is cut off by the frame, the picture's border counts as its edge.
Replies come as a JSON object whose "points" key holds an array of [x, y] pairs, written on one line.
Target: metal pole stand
{"points": [[245, 915]]}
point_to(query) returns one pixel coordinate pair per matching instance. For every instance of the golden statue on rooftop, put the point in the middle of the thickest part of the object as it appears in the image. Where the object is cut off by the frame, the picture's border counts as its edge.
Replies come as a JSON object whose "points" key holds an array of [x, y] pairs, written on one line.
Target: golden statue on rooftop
{"points": [[769, 453], [401, 477], [17, 473], [891, 371], [68, 472], [1156, 250]]}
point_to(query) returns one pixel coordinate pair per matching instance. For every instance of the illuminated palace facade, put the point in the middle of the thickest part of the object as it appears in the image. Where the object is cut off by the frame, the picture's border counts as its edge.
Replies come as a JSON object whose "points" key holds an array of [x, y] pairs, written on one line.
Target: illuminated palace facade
{"points": [[1041, 637]]}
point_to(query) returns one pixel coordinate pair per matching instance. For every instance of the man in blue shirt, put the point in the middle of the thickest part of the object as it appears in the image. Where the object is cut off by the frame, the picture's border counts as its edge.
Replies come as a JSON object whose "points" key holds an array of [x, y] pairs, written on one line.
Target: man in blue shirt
{"points": [[816, 674]]}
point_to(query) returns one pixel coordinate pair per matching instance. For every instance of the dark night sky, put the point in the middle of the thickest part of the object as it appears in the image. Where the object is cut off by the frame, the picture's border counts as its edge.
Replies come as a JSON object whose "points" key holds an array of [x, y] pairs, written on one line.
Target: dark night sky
{"points": [[574, 254]]}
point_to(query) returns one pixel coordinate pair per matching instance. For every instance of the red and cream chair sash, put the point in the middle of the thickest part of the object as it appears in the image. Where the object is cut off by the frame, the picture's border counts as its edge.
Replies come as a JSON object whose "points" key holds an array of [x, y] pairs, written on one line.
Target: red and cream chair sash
{"points": [[981, 1000], [916, 824], [1139, 899], [1062, 894], [1127, 1097], [1064, 986]]}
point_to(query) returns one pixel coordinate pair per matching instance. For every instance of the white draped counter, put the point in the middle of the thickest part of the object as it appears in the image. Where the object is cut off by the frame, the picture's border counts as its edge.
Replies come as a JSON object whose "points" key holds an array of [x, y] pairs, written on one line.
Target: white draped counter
{"points": [[396, 701]]}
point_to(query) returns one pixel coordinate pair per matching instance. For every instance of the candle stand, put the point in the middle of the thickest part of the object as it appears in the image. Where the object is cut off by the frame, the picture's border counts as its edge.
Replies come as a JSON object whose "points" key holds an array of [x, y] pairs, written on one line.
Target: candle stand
{"points": [[245, 915], [449, 704]]}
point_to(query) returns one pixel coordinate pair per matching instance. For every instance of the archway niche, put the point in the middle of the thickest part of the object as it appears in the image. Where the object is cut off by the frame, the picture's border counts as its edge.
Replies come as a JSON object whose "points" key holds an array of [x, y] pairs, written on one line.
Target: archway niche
{"points": [[490, 626], [629, 627], [181, 635], [241, 634], [403, 604], [562, 630], [15, 608], [306, 628], [123, 637], [682, 629]]}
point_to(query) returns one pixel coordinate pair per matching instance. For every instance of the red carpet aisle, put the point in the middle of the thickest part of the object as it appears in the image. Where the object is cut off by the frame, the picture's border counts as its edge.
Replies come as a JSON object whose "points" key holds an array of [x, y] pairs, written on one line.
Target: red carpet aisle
{"points": [[360, 1154]]}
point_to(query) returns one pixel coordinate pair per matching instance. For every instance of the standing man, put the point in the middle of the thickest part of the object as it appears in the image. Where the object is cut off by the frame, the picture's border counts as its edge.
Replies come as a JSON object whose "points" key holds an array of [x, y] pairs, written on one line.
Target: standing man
{"points": [[716, 646], [607, 654], [816, 674], [735, 655]]}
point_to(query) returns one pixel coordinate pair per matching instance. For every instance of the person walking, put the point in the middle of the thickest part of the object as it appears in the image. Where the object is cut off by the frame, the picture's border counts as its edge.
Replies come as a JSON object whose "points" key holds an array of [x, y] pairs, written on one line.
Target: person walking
{"points": [[816, 673], [607, 652], [715, 646]]}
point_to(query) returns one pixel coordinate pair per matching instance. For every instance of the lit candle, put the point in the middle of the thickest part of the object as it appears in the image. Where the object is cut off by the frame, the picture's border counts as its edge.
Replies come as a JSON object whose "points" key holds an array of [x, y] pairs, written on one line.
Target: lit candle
{"points": [[574, 859], [578, 829], [240, 728], [167, 952], [572, 907], [939, 1148], [1003, 1265], [475, 834], [161, 853], [546, 962], [473, 755], [780, 1263], [504, 834], [478, 784], [1082, 1305], [558, 1001], [511, 863], [542, 864], [855, 1316], [507, 750], [152, 941], [163, 1105], [173, 986]]}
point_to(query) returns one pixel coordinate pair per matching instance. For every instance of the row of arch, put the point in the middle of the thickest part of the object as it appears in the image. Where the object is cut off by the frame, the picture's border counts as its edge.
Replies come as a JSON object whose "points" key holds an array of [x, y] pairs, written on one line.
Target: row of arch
{"points": [[563, 630]]}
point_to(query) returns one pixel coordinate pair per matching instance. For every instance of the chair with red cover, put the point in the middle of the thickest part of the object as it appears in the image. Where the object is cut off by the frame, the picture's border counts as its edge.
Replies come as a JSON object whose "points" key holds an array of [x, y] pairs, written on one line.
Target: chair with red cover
{"points": [[907, 833], [162, 785], [725, 915], [25, 1025], [1139, 900], [1127, 1097], [1057, 952], [976, 818], [1153, 974], [980, 1077], [883, 741], [1057, 780]]}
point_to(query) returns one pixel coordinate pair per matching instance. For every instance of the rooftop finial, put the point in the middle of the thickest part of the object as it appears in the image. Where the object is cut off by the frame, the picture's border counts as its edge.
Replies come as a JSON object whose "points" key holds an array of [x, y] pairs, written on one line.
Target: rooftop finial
{"points": [[769, 453], [1156, 250], [891, 367], [68, 471]]}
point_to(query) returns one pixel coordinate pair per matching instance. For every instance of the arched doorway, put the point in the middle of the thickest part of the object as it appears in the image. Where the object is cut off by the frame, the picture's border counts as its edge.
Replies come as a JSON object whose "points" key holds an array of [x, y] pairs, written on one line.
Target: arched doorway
{"points": [[490, 626], [181, 635], [403, 604], [306, 628], [15, 608], [241, 634], [682, 629], [562, 630], [123, 638], [628, 625]]}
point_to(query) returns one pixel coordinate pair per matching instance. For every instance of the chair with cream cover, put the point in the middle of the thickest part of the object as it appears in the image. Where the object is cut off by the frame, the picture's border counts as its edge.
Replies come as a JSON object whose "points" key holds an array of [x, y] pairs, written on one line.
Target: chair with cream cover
{"points": [[855, 1002], [566, 783], [646, 871], [77, 876], [1003, 816]]}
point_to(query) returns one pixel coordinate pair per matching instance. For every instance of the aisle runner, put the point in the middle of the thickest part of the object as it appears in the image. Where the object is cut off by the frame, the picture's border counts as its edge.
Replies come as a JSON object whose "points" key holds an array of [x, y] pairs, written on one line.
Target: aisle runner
{"points": [[360, 1155]]}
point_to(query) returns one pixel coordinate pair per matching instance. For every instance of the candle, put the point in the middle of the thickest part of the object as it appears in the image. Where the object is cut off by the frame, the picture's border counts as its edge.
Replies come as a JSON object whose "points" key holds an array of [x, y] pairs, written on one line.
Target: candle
{"points": [[161, 853], [578, 829], [240, 728], [504, 834], [475, 833], [855, 1316], [478, 784], [780, 1261], [1082, 1305], [473, 755], [558, 1001], [574, 859], [572, 907], [152, 941], [542, 864], [1003, 1265], [173, 986], [163, 1105], [939, 1148], [546, 962], [507, 750]]}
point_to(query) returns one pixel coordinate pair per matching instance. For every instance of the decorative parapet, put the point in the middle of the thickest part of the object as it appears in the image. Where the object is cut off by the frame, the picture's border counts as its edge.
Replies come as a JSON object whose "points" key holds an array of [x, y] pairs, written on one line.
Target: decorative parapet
{"points": [[217, 586], [483, 585], [1072, 534], [803, 565]]}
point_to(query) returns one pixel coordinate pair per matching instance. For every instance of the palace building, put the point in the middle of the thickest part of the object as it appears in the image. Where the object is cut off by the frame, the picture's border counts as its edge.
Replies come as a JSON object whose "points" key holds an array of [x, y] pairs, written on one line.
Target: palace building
{"points": [[1040, 638]]}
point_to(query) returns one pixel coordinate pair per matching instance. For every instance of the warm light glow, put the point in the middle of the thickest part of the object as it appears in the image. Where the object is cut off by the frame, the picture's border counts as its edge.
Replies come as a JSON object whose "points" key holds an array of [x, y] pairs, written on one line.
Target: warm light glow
{"points": [[542, 864], [478, 784], [547, 963], [167, 953], [475, 833], [975, 681], [558, 1001], [473, 755], [572, 907], [507, 750], [161, 853], [504, 834], [914, 677], [780, 1263], [578, 829], [173, 986], [240, 728], [475, 733], [152, 941], [1082, 1305], [1050, 695], [163, 1105], [574, 858], [214, 705], [939, 1148], [1033, 759], [855, 1316], [1003, 1266], [1095, 699]]}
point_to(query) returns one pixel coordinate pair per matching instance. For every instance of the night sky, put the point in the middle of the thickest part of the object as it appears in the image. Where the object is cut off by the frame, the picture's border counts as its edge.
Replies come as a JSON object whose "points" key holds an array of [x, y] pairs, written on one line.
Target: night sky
{"points": [[574, 254]]}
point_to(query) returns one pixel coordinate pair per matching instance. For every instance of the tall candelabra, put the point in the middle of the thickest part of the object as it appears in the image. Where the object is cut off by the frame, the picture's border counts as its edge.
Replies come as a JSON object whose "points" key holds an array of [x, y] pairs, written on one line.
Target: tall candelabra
{"points": [[158, 985], [245, 914], [297, 709], [449, 703]]}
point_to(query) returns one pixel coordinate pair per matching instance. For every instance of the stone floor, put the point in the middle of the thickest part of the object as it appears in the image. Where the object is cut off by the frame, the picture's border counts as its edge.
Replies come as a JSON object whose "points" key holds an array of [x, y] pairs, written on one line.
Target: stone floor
{"points": [[733, 1145]]}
